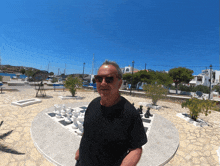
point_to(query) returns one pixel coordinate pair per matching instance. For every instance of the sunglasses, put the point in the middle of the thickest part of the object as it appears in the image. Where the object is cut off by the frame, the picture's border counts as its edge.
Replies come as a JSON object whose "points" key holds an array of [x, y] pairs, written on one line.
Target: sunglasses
{"points": [[108, 80]]}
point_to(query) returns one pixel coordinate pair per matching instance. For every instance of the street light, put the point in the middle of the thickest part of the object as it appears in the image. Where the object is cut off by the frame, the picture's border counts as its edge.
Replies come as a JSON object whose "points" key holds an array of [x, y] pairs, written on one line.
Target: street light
{"points": [[83, 69], [132, 75], [210, 82]]}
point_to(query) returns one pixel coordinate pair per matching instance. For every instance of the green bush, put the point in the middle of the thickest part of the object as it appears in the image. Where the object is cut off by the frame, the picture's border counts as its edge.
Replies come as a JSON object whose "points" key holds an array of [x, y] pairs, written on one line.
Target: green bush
{"points": [[202, 88], [171, 87], [216, 88], [72, 84], [185, 88], [22, 71], [197, 106], [155, 92], [54, 79]]}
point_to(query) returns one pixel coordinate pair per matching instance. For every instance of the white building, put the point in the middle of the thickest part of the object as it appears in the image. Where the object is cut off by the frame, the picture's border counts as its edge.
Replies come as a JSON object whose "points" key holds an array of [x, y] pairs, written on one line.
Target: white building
{"points": [[125, 70], [204, 77], [128, 69]]}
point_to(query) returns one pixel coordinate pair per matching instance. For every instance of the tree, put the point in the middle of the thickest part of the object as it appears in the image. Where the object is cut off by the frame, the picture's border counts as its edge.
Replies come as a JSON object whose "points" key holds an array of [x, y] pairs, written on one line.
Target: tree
{"points": [[155, 92], [216, 88], [180, 75], [22, 71], [163, 78], [54, 79], [149, 77], [51, 73], [29, 73], [134, 79], [72, 84]]}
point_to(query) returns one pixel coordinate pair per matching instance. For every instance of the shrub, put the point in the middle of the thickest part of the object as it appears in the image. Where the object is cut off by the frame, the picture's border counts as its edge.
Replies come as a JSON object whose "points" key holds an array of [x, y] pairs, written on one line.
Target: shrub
{"points": [[72, 84], [185, 88], [155, 92], [54, 79], [1, 78], [202, 88], [171, 87], [197, 106], [216, 88]]}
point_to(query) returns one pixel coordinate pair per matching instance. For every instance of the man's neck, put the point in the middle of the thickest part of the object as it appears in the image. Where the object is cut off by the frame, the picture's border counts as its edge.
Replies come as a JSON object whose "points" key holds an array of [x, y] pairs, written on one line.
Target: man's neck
{"points": [[110, 101]]}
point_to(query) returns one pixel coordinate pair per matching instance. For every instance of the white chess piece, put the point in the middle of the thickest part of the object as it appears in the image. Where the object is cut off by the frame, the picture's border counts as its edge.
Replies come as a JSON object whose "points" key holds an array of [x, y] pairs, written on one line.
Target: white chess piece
{"points": [[81, 118], [58, 114], [74, 118], [63, 111], [67, 119], [55, 109], [80, 130]]}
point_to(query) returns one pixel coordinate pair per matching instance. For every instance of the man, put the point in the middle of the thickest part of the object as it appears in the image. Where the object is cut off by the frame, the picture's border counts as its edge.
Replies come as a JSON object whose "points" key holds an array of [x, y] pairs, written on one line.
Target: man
{"points": [[113, 130]]}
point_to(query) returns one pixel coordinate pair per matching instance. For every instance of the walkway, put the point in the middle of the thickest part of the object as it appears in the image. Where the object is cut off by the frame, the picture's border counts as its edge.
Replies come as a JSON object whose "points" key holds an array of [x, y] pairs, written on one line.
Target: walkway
{"points": [[198, 146]]}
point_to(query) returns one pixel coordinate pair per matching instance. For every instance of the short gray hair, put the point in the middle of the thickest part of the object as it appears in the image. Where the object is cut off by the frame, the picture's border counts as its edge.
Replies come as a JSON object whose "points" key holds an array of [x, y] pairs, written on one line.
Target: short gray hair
{"points": [[113, 63]]}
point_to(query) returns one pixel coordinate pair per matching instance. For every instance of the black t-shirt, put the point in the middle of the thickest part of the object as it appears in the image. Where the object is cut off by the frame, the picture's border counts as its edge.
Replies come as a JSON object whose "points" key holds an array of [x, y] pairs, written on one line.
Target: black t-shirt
{"points": [[109, 132]]}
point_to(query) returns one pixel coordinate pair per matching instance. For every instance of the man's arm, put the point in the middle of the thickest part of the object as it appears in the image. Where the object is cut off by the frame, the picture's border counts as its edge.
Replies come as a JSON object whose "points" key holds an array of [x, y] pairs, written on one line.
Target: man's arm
{"points": [[77, 152], [132, 158], [77, 155]]}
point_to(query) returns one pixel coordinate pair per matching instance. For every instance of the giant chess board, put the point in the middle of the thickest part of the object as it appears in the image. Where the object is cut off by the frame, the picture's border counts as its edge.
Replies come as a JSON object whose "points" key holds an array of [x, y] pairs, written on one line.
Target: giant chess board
{"points": [[72, 118]]}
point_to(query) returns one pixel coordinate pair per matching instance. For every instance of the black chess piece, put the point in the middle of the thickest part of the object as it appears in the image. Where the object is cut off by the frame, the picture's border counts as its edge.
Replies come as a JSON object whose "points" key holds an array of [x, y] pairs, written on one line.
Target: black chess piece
{"points": [[133, 104], [147, 114], [140, 110]]}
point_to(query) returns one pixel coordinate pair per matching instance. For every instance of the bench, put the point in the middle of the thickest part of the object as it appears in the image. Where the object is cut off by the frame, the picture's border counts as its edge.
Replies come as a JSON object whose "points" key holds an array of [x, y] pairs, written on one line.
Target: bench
{"points": [[58, 85]]}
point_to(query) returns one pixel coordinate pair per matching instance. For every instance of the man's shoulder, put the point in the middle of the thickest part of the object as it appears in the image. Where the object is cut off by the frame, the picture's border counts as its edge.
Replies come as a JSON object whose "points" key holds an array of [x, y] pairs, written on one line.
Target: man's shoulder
{"points": [[94, 101], [129, 108]]}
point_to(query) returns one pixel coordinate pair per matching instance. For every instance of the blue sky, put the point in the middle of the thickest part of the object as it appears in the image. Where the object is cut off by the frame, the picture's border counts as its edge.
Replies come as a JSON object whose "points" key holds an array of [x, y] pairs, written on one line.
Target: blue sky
{"points": [[162, 34]]}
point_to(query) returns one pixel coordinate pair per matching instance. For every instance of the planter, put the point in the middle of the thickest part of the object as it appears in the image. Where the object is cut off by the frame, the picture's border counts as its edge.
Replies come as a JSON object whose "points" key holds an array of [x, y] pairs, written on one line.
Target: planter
{"points": [[156, 107], [198, 122], [70, 97]]}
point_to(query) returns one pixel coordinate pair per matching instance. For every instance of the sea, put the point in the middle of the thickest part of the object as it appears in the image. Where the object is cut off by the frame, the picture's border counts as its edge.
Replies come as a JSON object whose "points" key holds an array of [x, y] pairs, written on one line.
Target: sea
{"points": [[11, 75]]}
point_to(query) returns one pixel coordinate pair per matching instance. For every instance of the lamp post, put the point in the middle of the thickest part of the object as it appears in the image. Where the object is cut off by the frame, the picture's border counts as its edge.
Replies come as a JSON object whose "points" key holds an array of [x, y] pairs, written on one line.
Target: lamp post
{"points": [[210, 82], [132, 76], [83, 69]]}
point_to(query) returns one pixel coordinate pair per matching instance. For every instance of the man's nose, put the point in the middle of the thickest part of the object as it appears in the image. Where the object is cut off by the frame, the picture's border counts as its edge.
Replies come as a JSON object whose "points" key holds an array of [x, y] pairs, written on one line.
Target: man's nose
{"points": [[103, 81]]}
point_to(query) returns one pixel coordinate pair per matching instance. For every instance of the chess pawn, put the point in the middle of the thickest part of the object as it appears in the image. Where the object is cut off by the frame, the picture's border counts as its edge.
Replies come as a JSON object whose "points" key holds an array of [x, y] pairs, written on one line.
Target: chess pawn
{"points": [[55, 109], [67, 119], [74, 116], [80, 118], [69, 112], [80, 130], [58, 114], [63, 111], [74, 125]]}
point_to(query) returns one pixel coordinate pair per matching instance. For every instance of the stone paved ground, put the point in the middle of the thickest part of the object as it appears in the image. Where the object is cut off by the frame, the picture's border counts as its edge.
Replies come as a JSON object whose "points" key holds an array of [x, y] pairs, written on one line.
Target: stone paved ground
{"points": [[197, 145]]}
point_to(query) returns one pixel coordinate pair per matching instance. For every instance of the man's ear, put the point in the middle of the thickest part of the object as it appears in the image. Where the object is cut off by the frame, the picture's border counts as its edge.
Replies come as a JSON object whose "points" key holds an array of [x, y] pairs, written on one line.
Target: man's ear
{"points": [[119, 84]]}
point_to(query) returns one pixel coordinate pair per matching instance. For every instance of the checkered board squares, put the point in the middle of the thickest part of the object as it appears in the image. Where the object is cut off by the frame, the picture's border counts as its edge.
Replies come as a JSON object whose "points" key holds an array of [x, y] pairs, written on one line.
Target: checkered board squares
{"points": [[63, 123], [68, 126]]}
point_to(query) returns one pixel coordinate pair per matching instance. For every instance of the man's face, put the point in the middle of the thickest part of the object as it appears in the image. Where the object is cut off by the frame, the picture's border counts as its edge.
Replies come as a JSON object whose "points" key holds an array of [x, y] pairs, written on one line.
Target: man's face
{"points": [[108, 89]]}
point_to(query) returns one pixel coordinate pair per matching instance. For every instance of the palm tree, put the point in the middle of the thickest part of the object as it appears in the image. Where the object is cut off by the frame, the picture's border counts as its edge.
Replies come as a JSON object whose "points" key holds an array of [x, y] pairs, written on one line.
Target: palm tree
{"points": [[5, 148]]}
